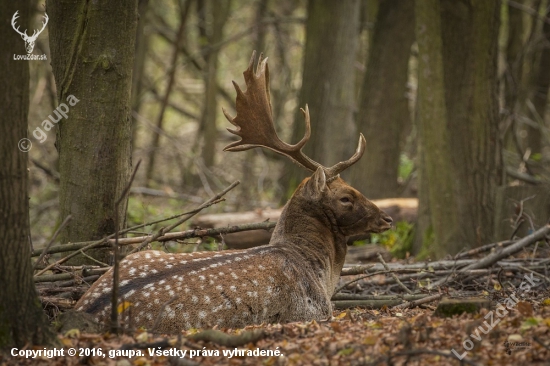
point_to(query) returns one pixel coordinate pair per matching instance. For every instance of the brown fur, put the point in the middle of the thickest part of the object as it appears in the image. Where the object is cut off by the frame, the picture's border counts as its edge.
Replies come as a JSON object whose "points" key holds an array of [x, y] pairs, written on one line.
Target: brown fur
{"points": [[291, 279]]}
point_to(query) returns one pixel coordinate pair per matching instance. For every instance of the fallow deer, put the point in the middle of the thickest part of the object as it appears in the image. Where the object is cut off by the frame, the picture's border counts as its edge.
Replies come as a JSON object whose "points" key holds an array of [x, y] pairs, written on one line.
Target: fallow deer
{"points": [[290, 279]]}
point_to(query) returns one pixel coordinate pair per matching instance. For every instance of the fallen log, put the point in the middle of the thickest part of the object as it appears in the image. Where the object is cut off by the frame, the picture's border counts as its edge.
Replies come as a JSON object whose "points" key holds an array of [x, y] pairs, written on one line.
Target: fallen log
{"points": [[400, 209]]}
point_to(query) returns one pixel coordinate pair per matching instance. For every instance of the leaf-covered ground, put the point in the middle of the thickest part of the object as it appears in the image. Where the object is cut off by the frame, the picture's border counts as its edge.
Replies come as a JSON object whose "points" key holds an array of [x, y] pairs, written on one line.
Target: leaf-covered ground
{"points": [[352, 337]]}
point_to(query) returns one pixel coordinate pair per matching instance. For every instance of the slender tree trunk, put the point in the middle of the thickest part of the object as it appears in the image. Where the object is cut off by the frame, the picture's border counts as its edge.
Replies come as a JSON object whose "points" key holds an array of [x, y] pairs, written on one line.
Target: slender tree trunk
{"points": [[22, 321], [220, 13], [142, 45], [328, 84], [184, 11], [514, 59], [92, 50], [470, 42], [383, 108], [442, 233]]}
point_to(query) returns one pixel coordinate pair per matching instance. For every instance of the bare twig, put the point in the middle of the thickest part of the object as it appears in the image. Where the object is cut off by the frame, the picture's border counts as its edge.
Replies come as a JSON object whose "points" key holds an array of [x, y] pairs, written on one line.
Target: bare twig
{"points": [[115, 326], [358, 279], [45, 251], [393, 274]]}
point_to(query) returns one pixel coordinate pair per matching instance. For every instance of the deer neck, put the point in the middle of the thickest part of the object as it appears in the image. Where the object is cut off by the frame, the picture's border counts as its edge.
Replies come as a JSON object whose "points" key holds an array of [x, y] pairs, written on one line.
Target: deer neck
{"points": [[311, 232]]}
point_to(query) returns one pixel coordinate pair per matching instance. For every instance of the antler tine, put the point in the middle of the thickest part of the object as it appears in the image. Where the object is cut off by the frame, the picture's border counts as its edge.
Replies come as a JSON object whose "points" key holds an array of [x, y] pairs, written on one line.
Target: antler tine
{"points": [[37, 32], [254, 119], [13, 19], [337, 168]]}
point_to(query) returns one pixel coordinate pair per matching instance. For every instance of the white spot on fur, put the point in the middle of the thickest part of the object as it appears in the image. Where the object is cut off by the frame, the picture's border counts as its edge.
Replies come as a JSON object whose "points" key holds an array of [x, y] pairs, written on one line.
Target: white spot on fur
{"points": [[233, 288], [195, 299], [202, 314]]}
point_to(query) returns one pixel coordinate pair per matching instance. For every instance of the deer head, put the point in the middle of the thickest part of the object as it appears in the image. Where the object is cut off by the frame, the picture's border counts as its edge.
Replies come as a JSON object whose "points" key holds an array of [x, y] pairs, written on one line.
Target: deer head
{"points": [[291, 279], [323, 204], [29, 41]]}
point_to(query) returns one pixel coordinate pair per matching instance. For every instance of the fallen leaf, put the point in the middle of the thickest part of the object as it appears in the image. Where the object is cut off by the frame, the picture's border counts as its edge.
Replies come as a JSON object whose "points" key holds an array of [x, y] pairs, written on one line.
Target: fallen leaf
{"points": [[72, 333], [515, 338], [525, 308], [123, 306]]}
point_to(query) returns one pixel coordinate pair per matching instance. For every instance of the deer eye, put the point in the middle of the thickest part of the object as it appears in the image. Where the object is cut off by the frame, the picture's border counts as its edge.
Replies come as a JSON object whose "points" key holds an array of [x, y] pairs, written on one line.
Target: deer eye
{"points": [[345, 200]]}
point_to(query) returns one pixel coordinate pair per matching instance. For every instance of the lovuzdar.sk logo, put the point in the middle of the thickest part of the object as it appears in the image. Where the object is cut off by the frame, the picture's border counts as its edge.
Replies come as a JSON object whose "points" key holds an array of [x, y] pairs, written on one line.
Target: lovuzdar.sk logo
{"points": [[29, 40]]}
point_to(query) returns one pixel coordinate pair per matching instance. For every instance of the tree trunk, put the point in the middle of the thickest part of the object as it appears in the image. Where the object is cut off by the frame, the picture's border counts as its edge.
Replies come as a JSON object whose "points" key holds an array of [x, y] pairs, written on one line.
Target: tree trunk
{"points": [[22, 321], [92, 50], [328, 81], [441, 232], [540, 94], [142, 45], [383, 108], [220, 13], [470, 42]]}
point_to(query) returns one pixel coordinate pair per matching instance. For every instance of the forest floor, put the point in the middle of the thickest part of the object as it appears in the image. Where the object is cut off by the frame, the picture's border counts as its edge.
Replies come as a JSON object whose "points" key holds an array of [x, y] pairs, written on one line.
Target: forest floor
{"points": [[353, 337]]}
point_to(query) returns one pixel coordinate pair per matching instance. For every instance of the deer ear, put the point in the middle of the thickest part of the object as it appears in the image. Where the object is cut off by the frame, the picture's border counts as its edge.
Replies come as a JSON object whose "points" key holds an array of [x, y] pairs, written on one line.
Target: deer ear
{"points": [[318, 182]]}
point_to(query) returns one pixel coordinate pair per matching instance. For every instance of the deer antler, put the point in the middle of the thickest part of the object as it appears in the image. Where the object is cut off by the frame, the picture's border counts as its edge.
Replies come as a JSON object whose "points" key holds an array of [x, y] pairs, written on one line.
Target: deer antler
{"points": [[44, 23], [254, 122], [13, 19]]}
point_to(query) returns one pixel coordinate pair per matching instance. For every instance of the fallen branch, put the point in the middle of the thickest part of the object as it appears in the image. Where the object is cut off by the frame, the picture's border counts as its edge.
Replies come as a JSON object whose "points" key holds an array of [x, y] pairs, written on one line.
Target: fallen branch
{"points": [[188, 234], [371, 304], [415, 303], [228, 340], [163, 231], [355, 270], [484, 248]]}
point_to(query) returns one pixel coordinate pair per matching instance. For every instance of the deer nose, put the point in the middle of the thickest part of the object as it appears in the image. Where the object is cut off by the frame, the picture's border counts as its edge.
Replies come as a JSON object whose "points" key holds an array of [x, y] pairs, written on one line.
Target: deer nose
{"points": [[387, 218]]}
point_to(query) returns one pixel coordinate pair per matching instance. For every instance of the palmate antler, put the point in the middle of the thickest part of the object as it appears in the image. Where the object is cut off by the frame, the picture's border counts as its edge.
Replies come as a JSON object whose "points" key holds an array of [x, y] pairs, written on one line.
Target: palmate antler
{"points": [[254, 122]]}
